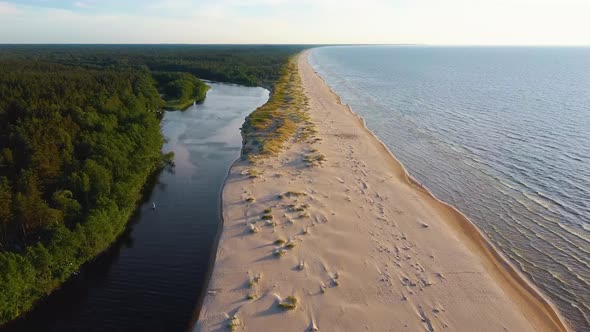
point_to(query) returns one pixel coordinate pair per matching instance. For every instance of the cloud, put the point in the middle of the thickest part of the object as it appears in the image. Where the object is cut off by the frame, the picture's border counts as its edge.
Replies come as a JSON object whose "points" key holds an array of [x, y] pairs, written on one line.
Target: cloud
{"points": [[304, 21], [7, 8], [82, 4]]}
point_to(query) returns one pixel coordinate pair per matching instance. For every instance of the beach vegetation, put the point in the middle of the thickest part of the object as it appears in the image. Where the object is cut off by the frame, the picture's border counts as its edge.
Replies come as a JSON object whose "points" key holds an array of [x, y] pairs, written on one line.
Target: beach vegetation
{"points": [[282, 119], [253, 173], [279, 252], [289, 303], [252, 281], [314, 160], [234, 322], [295, 208], [294, 194], [335, 281]]}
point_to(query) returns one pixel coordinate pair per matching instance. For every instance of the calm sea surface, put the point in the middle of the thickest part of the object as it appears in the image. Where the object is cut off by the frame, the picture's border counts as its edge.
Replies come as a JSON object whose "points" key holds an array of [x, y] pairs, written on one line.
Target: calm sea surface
{"points": [[501, 133], [153, 278]]}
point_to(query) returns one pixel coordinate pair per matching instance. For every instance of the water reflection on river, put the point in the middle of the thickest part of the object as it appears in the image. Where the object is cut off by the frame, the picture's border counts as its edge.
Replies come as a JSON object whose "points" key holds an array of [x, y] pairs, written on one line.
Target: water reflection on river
{"points": [[153, 278]]}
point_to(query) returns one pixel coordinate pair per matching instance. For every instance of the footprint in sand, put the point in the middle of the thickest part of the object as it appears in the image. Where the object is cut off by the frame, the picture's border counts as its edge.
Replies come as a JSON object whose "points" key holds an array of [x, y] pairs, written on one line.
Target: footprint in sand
{"points": [[425, 319]]}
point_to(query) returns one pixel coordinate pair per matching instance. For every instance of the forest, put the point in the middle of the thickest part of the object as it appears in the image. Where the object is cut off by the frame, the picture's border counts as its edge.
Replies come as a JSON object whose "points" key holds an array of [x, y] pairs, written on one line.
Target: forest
{"points": [[80, 136], [179, 89], [252, 65]]}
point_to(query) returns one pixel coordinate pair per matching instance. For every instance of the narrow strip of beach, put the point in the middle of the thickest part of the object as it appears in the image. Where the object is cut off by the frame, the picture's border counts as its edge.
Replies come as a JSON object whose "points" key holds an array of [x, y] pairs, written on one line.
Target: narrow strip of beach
{"points": [[335, 236]]}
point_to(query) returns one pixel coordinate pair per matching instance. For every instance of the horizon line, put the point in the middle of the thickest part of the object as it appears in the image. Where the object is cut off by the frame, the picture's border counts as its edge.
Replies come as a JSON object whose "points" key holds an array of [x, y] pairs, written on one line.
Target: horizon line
{"points": [[294, 44]]}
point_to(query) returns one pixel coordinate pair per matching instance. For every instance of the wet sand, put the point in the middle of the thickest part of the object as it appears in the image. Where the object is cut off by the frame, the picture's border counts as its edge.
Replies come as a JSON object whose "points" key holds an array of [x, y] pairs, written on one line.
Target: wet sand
{"points": [[366, 247]]}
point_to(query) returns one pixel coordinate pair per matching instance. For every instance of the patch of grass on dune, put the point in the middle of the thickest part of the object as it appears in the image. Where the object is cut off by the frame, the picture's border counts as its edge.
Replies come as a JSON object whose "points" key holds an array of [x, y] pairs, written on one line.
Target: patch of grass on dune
{"points": [[282, 119], [289, 303]]}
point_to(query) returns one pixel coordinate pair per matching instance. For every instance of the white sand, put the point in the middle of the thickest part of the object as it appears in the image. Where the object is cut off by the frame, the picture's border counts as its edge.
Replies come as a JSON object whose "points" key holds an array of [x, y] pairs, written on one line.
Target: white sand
{"points": [[403, 261]]}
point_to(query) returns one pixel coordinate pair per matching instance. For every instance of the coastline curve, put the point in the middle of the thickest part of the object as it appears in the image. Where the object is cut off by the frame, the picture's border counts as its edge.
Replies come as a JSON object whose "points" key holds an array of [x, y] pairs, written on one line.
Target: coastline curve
{"points": [[470, 231]]}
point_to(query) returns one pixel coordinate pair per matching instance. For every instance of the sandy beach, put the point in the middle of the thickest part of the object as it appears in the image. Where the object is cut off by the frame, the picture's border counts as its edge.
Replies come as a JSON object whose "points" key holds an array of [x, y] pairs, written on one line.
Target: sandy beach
{"points": [[357, 243]]}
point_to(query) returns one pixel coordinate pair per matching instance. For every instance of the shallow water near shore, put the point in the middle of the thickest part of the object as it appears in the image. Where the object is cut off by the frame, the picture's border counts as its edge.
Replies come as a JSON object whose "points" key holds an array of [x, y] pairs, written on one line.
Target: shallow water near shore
{"points": [[152, 279], [501, 133]]}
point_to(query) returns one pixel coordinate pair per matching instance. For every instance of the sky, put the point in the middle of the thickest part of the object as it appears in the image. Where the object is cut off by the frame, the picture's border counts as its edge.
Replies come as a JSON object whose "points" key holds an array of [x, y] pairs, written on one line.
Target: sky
{"points": [[440, 22]]}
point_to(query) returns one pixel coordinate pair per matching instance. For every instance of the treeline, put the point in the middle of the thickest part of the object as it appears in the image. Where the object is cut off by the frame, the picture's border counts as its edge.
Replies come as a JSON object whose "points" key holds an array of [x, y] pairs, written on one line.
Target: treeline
{"points": [[79, 136], [180, 90], [242, 64], [76, 147]]}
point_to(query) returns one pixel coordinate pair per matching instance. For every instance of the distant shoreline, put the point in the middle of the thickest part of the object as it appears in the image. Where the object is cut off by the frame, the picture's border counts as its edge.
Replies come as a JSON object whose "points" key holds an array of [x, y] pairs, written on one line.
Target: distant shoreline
{"points": [[510, 300]]}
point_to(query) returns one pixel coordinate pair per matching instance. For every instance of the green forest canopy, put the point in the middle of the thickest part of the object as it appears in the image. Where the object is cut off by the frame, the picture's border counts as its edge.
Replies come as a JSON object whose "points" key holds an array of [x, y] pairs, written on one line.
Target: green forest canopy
{"points": [[80, 135], [180, 89], [241, 64]]}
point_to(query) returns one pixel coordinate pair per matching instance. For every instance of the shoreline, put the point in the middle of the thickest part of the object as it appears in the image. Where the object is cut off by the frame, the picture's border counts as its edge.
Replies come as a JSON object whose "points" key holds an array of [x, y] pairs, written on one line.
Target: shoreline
{"points": [[509, 293], [487, 246], [212, 256]]}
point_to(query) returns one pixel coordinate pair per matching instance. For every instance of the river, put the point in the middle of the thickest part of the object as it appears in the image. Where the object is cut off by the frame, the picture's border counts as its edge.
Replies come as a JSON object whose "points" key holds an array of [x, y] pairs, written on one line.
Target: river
{"points": [[152, 279]]}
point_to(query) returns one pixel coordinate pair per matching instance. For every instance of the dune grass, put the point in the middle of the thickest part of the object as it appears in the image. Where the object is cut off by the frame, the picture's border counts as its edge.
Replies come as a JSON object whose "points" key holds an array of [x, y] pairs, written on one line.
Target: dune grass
{"points": [[279, 252], [314, 160], [282, 119], [254, 173], [289, 303], [233, 322], [294, 194], [252, 281]]}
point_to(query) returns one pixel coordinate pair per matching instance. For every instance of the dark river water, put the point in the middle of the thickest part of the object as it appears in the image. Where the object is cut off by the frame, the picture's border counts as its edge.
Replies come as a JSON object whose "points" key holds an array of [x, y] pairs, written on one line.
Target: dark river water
{"points": [[153, 278]]}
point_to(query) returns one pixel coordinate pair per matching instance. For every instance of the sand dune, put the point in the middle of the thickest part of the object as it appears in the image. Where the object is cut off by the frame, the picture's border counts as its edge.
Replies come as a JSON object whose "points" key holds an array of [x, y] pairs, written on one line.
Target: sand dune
{"points": [[351, 243]]}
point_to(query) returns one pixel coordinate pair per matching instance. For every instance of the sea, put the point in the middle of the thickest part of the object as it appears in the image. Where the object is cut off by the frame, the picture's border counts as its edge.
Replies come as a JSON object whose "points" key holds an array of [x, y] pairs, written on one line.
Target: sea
{"points": [[502, 133]]}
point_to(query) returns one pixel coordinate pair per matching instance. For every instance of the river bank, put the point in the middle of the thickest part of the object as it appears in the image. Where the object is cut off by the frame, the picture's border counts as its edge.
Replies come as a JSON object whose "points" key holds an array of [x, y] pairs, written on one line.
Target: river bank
{"points": [[153, 277], [335, 227]]}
